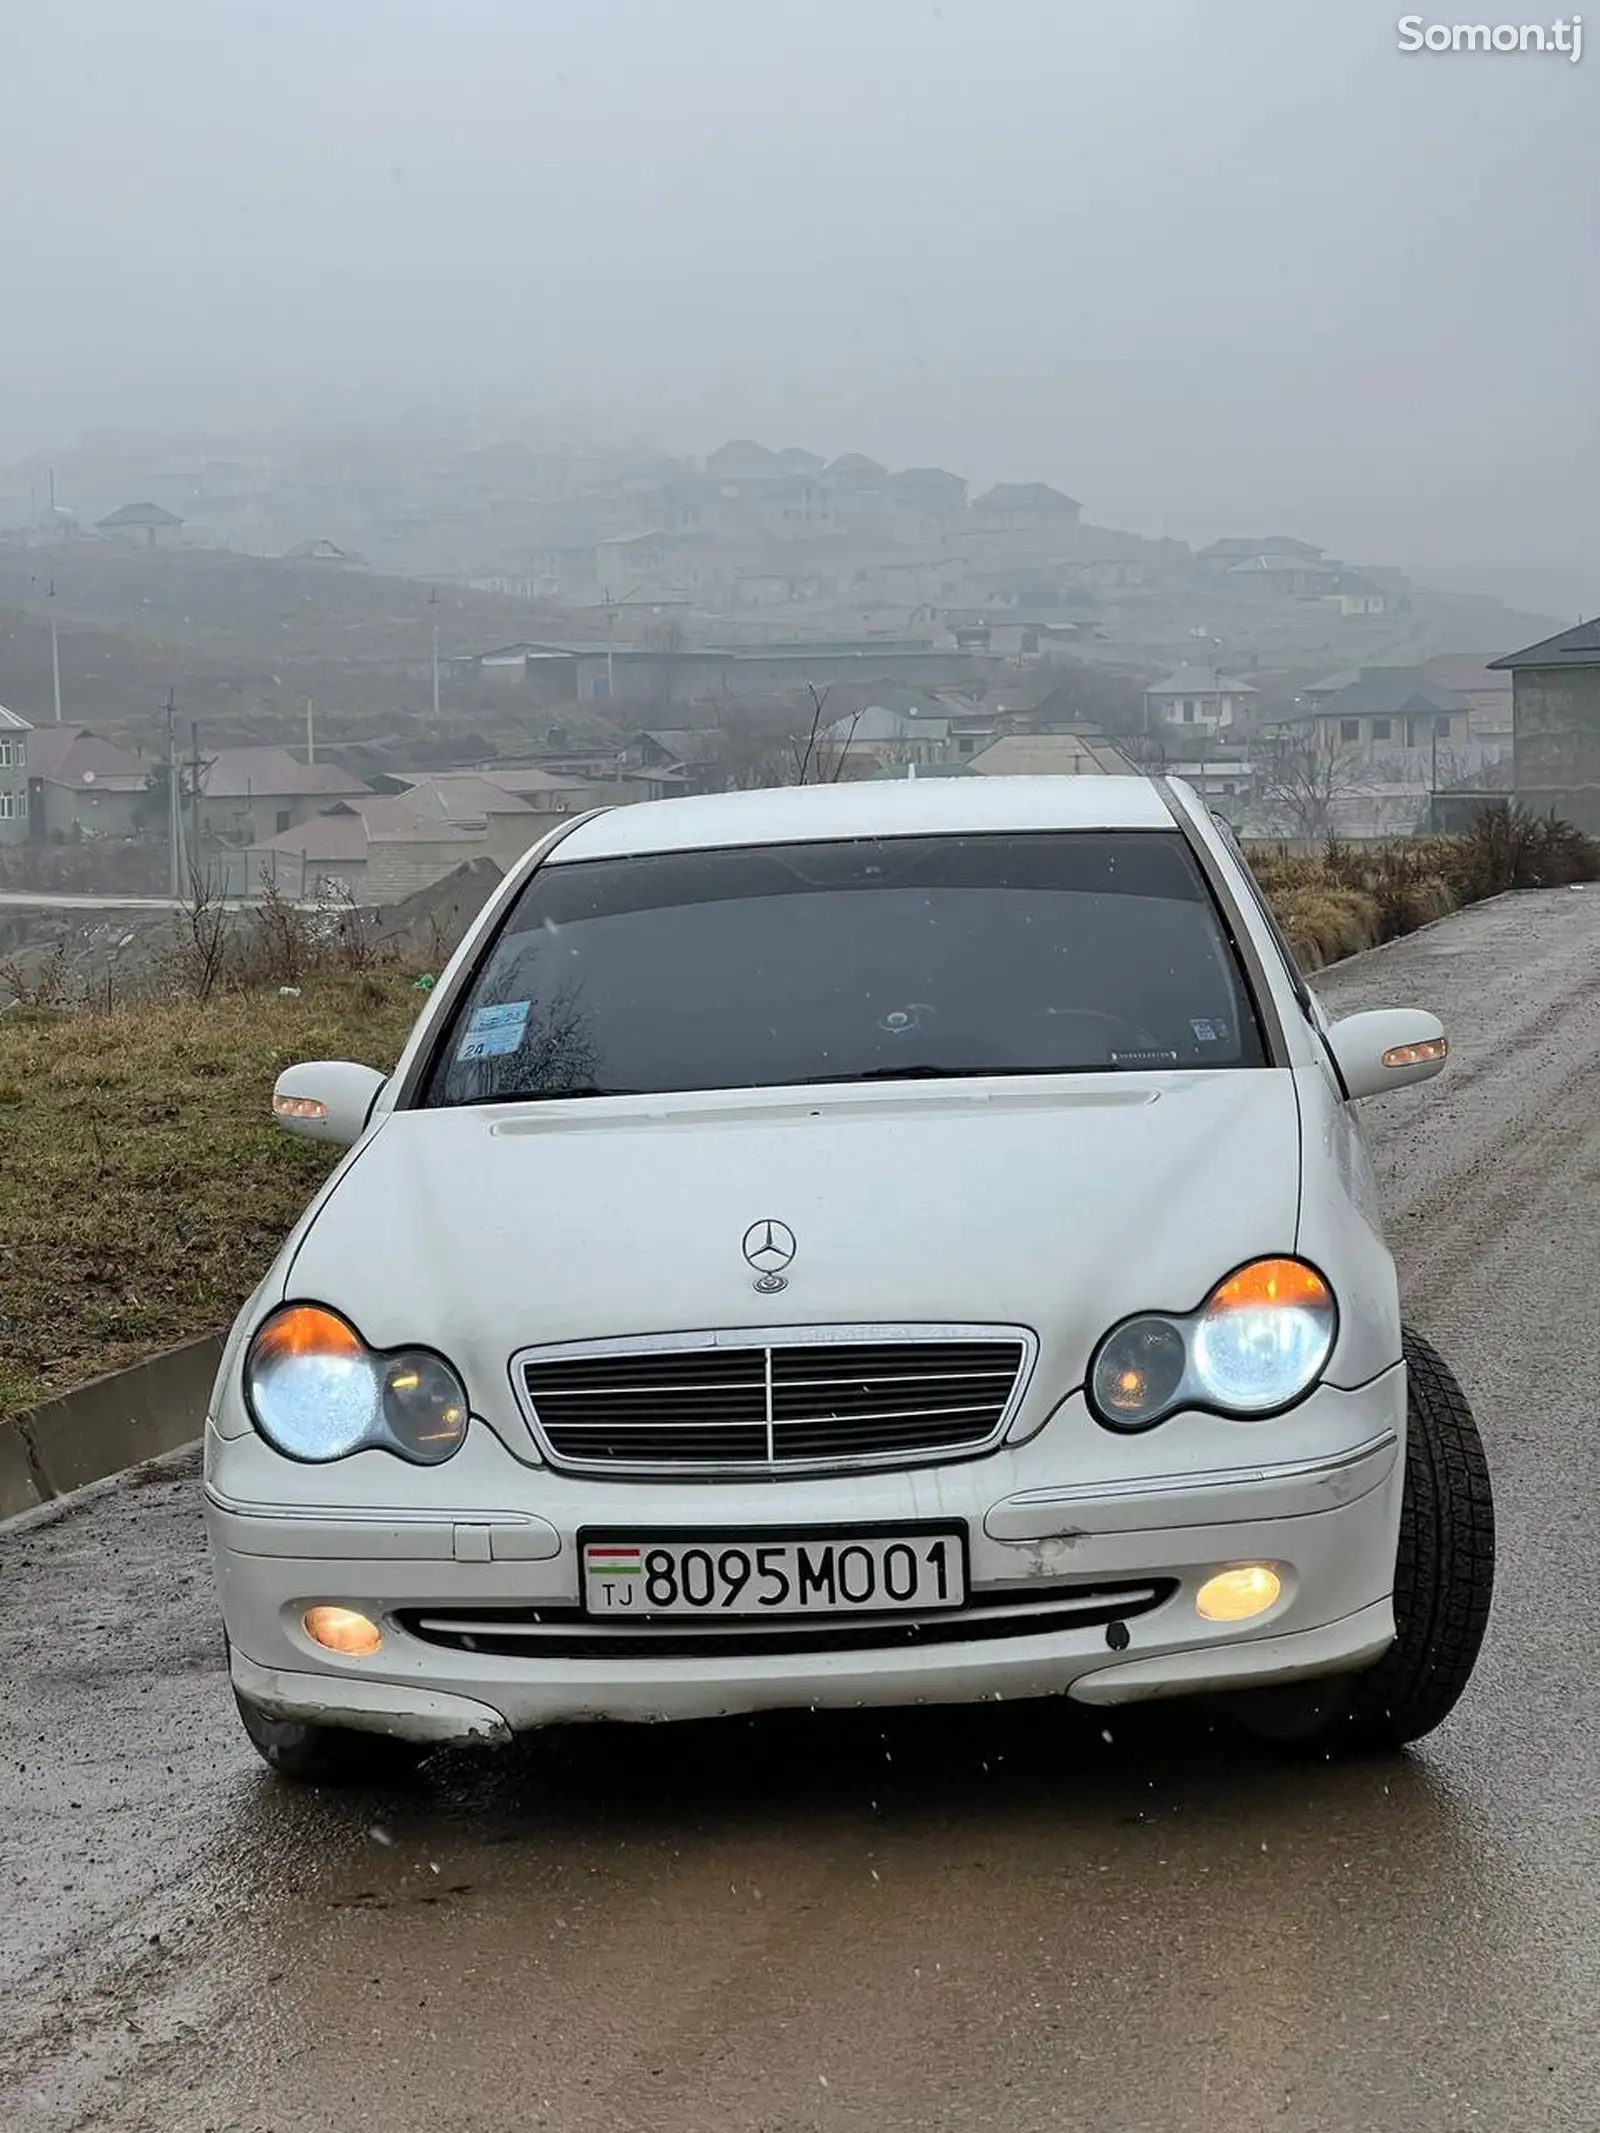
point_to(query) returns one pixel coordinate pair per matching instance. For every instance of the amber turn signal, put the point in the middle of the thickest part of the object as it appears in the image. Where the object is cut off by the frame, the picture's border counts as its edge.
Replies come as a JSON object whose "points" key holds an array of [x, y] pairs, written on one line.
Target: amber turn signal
{"points": [[1284, 1283], [303, 1107], [1424, 1054]]}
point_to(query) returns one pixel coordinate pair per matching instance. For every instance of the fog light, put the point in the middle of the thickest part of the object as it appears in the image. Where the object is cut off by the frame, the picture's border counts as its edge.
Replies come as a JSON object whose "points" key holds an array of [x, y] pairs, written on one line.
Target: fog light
{"points": [[342, 1630], [1236, 1595]]}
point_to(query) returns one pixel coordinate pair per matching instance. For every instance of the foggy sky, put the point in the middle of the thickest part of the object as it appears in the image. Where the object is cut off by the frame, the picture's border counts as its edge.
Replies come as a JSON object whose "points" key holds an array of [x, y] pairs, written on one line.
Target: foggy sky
{"points": [[1210, 265]]}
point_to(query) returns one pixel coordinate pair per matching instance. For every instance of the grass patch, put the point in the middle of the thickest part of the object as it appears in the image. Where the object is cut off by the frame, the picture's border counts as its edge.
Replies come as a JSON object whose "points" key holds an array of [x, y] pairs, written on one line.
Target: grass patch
{"points": [[143, 1185]]}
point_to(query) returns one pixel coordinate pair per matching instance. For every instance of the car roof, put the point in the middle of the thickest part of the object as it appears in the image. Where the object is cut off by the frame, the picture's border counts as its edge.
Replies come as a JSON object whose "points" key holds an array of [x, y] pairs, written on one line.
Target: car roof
{"points": [[910, 807]]}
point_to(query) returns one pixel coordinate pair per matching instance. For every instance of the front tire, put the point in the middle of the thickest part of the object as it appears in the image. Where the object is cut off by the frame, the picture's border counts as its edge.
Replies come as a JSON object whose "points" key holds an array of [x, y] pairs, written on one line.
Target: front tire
{"points": [[1443, 1586], [325, 1755]]}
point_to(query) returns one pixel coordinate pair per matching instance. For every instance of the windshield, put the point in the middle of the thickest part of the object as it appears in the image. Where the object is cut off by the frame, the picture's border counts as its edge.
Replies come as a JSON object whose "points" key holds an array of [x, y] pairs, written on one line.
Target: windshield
{"points": [[914, 958]]}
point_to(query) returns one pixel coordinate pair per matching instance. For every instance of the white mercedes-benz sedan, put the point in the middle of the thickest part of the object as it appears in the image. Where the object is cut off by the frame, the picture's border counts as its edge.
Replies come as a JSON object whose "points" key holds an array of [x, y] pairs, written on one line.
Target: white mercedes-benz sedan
{"points": [[887, 1243]]}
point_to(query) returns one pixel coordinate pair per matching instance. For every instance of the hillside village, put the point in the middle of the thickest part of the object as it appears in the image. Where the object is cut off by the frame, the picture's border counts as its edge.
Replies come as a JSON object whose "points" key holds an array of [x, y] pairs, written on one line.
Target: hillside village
{"points": [[394, 652]]}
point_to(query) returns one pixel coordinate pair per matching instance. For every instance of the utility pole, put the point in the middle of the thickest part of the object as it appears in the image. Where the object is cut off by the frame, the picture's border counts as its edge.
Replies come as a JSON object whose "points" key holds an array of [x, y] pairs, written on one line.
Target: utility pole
{"points": [[611, 607], [55, 652], [194, 797], [311, 731], [433, 602], [174, 817]]}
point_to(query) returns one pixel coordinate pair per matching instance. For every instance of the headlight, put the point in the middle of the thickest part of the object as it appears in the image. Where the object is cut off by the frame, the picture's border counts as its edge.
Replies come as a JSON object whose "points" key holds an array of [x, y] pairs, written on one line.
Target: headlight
{"points": [[316, 1391], [1257, 1344]]}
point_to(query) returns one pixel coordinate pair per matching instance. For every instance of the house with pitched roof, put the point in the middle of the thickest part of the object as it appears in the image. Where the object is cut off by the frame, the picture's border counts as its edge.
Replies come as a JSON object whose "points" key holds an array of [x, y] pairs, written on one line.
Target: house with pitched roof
{"points": [[247, 794], [149, 519], [376, 848], [1382, 708], [1085, 752], [1031, 507], [893, 727], [1197, 699], [82, 784]]}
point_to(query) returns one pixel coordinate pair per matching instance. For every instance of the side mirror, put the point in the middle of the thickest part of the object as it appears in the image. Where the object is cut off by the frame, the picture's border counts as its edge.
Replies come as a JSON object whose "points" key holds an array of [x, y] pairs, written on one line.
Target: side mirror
{"points": [[327, 1100], [1390, 1048]]}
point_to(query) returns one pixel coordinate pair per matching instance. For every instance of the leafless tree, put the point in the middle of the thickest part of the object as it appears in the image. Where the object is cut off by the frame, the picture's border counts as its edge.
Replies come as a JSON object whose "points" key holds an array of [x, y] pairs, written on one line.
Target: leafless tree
{"points": [[758, 750], [820, 754], [1302, 785]]}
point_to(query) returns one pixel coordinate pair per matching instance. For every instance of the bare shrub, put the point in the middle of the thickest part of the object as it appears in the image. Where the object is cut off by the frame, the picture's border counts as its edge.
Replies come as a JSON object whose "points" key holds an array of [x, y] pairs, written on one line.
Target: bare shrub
{"points": [[205, 939], [1510, 848], [48, 984]]}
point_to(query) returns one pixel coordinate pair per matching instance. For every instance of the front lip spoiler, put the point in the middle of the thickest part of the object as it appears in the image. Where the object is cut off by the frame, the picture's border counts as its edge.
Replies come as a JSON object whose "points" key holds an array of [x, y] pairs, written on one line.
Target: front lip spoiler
{"points": [[1217, 1497]]}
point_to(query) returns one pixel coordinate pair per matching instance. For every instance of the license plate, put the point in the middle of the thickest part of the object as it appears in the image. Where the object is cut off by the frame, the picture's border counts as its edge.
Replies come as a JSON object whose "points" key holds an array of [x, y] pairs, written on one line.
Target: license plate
{"points": [[857, 1573]]}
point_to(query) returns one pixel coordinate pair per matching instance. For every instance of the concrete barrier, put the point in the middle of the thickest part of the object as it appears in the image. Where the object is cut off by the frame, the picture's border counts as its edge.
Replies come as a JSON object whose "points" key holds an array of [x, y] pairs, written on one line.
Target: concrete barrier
{"points": [[114, 1422]]}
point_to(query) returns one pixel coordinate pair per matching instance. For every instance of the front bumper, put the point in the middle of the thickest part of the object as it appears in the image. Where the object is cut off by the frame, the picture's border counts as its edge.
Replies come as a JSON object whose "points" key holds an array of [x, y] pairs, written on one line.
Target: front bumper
{"points": [[1327, 1520]]}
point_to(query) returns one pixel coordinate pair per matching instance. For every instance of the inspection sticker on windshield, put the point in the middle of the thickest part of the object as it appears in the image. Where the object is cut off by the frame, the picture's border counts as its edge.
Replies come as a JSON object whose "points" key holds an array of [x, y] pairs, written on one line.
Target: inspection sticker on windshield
{"points": [[494, 1031]]}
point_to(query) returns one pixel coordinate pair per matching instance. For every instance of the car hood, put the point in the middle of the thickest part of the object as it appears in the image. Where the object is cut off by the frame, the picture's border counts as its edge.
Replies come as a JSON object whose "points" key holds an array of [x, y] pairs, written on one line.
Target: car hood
{"points": [[481, 1231]]}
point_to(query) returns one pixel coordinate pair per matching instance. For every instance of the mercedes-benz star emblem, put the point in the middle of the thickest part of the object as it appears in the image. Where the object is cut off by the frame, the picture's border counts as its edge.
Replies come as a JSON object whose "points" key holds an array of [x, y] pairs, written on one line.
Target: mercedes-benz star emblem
{"points": [[769, 1247]]}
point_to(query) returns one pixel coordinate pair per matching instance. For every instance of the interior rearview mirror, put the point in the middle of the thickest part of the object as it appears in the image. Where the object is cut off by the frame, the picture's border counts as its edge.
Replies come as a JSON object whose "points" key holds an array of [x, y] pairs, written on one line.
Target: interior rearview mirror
{"points": [[1386, 1049], [326, 1100]]}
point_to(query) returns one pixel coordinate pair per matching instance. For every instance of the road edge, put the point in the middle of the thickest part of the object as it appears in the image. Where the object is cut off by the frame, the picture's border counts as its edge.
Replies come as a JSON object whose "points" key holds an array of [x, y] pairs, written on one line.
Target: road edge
{"points": [[105, 1427]]}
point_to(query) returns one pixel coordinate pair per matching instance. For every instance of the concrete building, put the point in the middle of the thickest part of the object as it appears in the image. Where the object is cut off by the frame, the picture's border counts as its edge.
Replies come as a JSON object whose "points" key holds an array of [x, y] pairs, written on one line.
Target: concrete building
{"points": [[82, 785], [14, 734], [248, 794], [893, 734], [1199, 699], [1555, 687], [381, 847], [1486, 692], [1383, 708], [516, 807]]}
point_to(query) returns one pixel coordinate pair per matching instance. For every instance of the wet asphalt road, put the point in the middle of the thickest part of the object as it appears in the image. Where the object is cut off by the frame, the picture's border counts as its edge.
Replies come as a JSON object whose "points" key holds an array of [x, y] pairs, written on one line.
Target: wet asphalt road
{"points": [[998, 1919]]}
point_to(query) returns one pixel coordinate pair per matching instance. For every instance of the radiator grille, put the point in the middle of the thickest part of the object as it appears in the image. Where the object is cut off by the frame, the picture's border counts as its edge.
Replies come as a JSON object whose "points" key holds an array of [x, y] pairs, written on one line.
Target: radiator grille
{"points": [[818, 1402]]}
